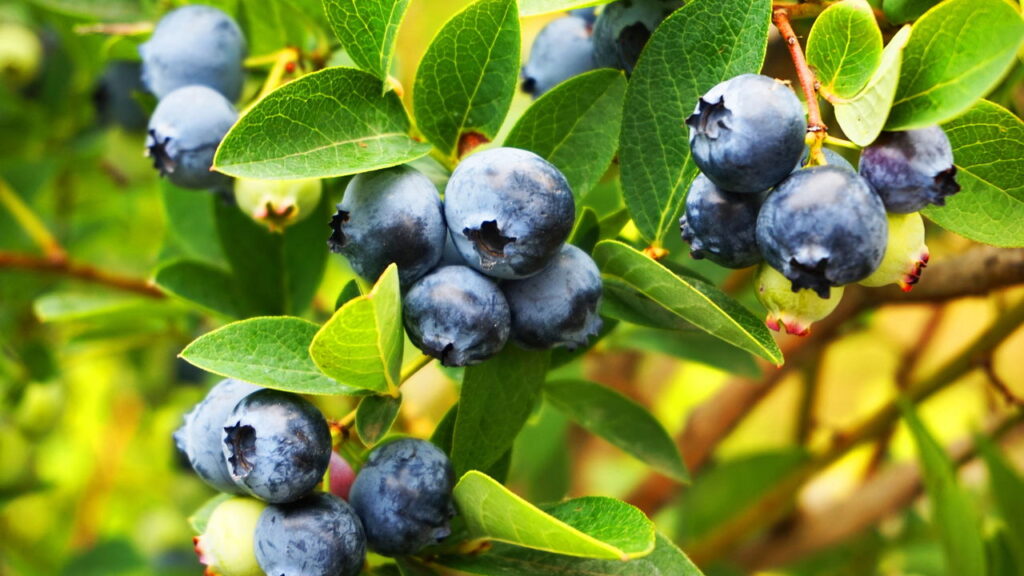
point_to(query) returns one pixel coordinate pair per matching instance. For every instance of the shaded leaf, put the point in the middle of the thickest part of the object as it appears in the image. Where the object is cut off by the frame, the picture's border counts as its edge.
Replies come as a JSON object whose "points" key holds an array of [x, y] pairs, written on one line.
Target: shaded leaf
{"points": [[700, 45], [206, 286], [957, 52], [575, 126], [1008, 489], [591, 527], [74, 306], [694, 346], [333, 122], [375, 416]]}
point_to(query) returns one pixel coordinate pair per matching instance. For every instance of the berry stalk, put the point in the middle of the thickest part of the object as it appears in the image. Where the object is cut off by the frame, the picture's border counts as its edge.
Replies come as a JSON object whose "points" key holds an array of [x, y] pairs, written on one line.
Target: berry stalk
{"points": [[780, 17]]}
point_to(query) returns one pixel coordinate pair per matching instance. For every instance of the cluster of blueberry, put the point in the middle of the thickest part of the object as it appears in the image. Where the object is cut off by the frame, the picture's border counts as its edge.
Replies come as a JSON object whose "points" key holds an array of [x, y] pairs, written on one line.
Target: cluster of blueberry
{"points": [[274, 448], [586, 40], [815, 223], [488, 264]]}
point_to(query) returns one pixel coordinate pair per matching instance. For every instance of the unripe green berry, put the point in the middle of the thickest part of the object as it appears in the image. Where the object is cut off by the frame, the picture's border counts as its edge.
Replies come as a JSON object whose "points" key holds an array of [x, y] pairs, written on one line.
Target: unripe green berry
{"points": [[227, 547], [21, 54], [791, 311], [906, 254], [278, 204], [39, 408]]}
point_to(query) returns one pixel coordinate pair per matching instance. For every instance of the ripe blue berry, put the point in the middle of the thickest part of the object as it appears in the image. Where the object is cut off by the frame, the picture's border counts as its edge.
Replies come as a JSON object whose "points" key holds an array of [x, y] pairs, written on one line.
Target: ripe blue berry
{"points": [[194, 45], [509, 211], [623, 29], [822, 227], [457, 315], [184, 132], [114, 96], [720, 225], [403, 494], [277, 445], [563, 49], [558, 306], [747, 133], [199, 437], [589, 15], [391, 215], [910, 170], [319, 535]]}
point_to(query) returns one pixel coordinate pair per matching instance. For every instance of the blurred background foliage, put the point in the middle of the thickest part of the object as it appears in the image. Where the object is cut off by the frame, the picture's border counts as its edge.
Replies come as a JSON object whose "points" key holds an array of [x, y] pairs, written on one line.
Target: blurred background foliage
{"points": [[91, 389]]}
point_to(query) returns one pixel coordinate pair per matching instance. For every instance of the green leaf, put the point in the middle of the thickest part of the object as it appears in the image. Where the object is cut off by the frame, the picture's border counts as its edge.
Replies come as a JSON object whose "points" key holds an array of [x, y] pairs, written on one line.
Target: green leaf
{"points": [[102, 10], [618, 420], [958, 51], [468, 75], [443, 437], [375, 416], [685, 299], [953, 514], [575, 127], [361, 345], [206, 286], [587, 231], [863, 116], [693, 346], [73, 306], [497, 398], [329, 123], [1000, 556], [368, 30], [507, 560], [270, 25], [988, 150], [348, 292], [191, 226], [845, 47], [272, 352], [703, 43], [534, 7], [592, 527], [1008, 489], [902, 11]]}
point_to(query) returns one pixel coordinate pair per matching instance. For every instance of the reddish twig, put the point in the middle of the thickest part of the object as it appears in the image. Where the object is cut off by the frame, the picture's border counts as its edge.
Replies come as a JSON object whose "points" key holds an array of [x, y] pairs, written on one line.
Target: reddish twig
{"points": [[999, 384], [63, 266], [780, 17]]}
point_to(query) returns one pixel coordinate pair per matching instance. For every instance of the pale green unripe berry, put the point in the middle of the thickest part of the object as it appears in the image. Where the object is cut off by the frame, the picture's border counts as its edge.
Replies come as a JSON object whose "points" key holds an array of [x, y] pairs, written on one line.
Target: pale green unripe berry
{"points": [[227, 547], [21, 54], [791, 311], [278, 204], [906, 254], [39, 408]]}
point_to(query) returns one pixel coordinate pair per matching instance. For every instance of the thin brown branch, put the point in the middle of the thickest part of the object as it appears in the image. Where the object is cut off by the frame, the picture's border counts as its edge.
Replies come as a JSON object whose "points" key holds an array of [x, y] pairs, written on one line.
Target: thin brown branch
{"points": [[975, 272], [781, 17], [86, 273], [884, 494], [999, 384]]}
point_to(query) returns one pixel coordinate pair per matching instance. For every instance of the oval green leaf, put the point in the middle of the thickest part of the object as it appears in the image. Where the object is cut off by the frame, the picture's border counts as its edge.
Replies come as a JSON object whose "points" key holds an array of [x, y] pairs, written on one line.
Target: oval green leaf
{"points": [[863, 116], [575, 127], [619, 420], [468, 75], [334, 122], [368, 30], [361, 345], [958, 52], [375, 416], [679, 64], [592, 527], [844, 48], [988, 150], [686, 299], [902, 11], [206, 286], [271, 351]]}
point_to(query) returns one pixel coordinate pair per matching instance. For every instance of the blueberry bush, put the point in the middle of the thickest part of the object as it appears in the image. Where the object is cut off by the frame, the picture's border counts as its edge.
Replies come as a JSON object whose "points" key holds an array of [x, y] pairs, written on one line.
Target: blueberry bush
{"points": [[504, 287]]}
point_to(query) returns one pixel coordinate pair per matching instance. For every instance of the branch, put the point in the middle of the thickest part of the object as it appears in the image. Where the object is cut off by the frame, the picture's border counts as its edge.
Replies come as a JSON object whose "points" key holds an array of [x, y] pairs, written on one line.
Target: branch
{"points": [[776, 502], [975, 272], [63, 266], [780, 17], [886, 493]]}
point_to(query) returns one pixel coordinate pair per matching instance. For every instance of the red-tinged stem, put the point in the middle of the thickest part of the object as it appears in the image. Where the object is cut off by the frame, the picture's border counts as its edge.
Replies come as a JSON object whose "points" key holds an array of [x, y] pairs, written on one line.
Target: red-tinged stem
{"points": [[63, 266], [781, 17]]}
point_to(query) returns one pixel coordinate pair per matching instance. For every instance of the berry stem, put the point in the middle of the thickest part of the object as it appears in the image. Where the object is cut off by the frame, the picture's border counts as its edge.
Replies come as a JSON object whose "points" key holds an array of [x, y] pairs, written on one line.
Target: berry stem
{"points": [[840, 143], [410, 369], [30, 222], [780, 17]]}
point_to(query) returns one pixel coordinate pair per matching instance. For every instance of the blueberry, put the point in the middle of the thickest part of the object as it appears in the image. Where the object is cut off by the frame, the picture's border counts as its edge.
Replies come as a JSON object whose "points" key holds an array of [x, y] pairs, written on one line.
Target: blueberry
{"points": [[277, 445], [791, 311], [184, 132], [910, 170], [720, 225], [588, 15], [391, 215], [403, 494], [114, 96], [747, 133], [226, 545], [906, 254], [557, 307], [822, 227], [194, 45], [319, 535], [457, 315], [622, 30], [199, 437], [563, 49], [509, 211]]}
